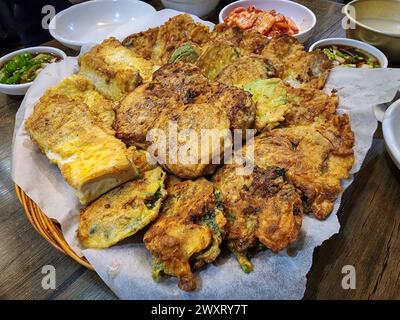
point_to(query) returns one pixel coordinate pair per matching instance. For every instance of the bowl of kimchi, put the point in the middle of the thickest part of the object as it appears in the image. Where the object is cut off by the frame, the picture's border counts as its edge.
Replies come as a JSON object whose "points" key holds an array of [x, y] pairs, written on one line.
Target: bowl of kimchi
{"points": [[271, 18]]}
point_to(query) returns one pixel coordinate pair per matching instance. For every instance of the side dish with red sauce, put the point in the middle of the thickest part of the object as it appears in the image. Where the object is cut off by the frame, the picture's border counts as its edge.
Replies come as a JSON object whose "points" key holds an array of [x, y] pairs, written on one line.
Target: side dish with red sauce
{"points": [[267, 22]]}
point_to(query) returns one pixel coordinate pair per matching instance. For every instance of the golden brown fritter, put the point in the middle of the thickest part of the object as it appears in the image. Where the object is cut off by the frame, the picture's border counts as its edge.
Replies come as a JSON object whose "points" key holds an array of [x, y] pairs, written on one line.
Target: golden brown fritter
{"points": [[192, 157], [191, 86], [113, 69], [286, 53], [138, 112], [261, 209], [316, 158], [123, 211], [142, 43], [188, 232], [81, 89], [159, 44], [215, 57], [245, 70], [91, 160]]}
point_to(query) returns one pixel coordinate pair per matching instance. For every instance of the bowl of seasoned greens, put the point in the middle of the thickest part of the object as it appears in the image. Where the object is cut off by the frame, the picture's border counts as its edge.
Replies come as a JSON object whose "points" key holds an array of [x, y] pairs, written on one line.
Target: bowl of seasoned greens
{"points": [[351, 53], [20, 68]]}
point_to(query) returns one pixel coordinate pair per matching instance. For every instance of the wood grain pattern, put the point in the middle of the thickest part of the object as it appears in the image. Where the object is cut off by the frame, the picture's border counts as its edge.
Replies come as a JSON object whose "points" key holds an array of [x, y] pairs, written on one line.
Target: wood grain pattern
{"points": [[369, 237]]}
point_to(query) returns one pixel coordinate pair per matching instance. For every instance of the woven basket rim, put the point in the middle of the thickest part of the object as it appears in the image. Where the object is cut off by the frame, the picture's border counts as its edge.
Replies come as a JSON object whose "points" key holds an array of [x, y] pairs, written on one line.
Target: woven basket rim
{"points": [[48, 228]]}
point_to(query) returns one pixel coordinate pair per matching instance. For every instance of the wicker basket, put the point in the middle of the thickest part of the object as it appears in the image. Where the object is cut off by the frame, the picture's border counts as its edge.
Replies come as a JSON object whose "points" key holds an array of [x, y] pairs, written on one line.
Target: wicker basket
{"points": [[47, 228]]}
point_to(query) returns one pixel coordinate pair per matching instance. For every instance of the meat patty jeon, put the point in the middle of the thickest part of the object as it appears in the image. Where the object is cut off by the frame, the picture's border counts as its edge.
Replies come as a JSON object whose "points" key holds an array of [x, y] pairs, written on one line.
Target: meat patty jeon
{"points": [[158, 44], [188, 232], [123, 211], [179, 93], [193, 156], [263, 210], [190, 85], [315, 158]]}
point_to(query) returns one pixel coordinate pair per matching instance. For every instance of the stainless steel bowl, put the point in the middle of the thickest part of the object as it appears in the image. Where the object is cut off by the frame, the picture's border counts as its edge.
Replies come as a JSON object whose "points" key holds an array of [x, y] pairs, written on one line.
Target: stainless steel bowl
{"points": [[376, 22]]}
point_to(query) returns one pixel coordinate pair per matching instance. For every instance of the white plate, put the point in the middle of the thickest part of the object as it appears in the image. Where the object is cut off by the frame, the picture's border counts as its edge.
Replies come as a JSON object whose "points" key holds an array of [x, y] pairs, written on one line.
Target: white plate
{"points": [[303, 17], [20, 89], [391, 131], [92, 21]]}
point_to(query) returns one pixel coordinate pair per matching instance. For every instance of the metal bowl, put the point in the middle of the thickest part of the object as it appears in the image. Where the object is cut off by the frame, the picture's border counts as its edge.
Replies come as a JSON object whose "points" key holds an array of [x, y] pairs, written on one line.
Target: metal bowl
{"points": [[376, 22]]}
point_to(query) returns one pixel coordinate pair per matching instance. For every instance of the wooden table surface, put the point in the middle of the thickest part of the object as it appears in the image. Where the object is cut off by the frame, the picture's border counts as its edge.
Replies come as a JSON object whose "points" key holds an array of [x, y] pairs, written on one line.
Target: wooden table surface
{"points": [[369, 238]]}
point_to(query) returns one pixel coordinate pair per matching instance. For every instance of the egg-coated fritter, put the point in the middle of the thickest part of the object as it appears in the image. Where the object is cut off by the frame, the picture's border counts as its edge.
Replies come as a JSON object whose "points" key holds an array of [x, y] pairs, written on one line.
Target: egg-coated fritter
{"points": [[188, 232], [262, 209], [123, 211]]}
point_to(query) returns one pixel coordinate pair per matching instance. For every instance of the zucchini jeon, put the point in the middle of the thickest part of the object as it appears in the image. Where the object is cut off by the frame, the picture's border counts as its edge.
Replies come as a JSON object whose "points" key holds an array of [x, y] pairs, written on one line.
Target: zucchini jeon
{"points": [[91, 160], [263, 210], [188, 233], [113, 69], [122, 211]]}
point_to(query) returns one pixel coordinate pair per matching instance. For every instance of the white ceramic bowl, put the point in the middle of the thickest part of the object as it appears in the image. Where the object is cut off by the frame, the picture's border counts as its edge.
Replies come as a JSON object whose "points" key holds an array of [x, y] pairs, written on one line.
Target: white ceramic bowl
{"points": [[303, 17], [20, 89], [200, 8], [92, 21], [391, 131], [353, 43]]}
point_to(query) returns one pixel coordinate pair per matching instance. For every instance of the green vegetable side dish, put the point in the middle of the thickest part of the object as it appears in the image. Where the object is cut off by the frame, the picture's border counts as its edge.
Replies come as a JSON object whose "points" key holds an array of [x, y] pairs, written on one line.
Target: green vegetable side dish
{"points": [[350, 57], [24, 68]]}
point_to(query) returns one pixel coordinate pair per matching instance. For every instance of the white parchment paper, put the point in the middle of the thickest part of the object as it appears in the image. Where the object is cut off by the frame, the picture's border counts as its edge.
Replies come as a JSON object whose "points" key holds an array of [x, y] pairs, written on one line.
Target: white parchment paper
{"points": [[126, 268]]}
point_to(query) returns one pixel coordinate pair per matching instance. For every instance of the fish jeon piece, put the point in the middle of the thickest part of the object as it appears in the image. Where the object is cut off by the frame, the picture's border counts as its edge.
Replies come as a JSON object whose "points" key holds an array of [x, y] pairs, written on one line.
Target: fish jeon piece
{"points": [[245, 70], [262, 209], [188, 232], [315, 158], [81, 89], [217, 56], [158, 44], [90, 159], [270, 96], [113, 69], [123, 211]]}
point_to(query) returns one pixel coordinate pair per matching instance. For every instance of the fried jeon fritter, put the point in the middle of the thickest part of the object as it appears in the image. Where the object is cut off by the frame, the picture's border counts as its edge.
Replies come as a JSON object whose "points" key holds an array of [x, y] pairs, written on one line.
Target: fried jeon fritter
{"points": [[217, 56], [188, 53], [286, 53], [307, 70], [193, 157], [308, 106], [244, 70], [262, 210], [142, 43], [138, 112], [159, 44], [272, 105], [191, 86], [91, 160], [188, 232], [123, 211], [113, 69], [316, 158], [81, 89]]}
